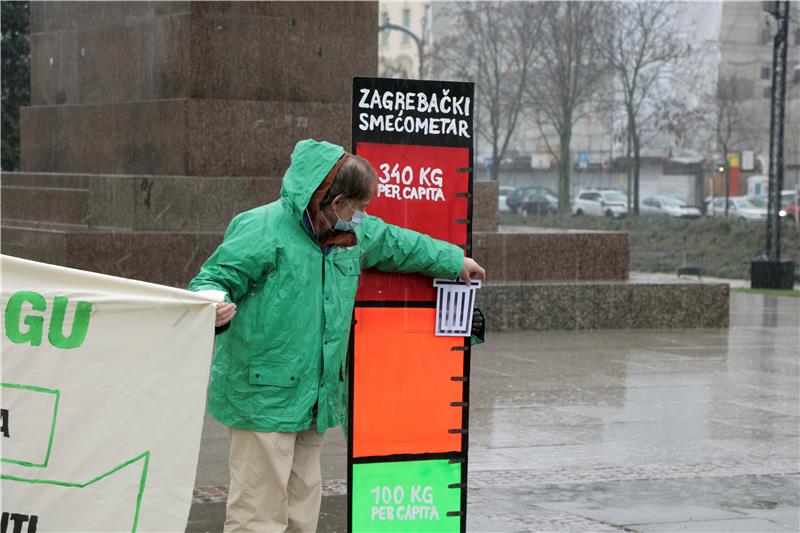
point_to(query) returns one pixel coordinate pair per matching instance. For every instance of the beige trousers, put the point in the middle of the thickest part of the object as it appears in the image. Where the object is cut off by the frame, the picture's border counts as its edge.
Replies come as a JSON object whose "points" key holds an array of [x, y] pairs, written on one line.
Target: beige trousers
{"points": [[276, 482]]}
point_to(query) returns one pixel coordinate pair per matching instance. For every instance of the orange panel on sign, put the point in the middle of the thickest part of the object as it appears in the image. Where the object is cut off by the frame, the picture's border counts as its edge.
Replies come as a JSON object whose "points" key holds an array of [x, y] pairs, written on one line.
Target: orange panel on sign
{"points": [[403, 387]]}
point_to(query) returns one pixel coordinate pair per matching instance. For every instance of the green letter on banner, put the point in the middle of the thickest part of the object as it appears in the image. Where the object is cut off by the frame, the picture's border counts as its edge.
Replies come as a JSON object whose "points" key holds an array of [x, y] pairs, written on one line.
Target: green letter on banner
{"points": [[80, 324], [35, 323]]}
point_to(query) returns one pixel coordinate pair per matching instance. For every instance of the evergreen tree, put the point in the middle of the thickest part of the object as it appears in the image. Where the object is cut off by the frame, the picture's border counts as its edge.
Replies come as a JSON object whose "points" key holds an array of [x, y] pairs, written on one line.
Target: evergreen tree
{"points": [[16, 76]]}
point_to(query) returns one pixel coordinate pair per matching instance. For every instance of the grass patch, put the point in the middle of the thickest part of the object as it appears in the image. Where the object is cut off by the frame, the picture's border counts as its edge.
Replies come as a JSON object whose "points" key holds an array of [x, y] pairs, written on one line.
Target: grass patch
{"points": [[791, 293], [721, 247]]}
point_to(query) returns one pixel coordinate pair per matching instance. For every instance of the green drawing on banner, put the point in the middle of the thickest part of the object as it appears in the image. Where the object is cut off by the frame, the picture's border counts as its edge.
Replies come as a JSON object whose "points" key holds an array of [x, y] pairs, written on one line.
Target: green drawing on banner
{"points": [[67, 484], [57, 394], [406, 496]]}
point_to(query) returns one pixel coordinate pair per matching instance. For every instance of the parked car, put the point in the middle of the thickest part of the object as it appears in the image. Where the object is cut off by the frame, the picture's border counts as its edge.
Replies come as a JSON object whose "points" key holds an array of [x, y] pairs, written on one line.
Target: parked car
{"points": [[739, 207], [600, 202], [502, 198], [539, 202], [516, 198], [788, 197], [761, 200], [668, 206], [790, 212], [789, 206], [758, 201]]}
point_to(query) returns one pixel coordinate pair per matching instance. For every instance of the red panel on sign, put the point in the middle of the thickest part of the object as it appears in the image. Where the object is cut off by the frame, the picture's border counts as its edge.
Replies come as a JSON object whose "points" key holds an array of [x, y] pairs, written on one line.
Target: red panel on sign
{"points": [[417, 189]]}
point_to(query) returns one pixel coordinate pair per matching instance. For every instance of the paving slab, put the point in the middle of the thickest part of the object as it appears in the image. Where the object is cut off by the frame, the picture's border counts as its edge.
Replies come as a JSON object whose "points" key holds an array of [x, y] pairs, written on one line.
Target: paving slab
{"points": [[743, 525]]}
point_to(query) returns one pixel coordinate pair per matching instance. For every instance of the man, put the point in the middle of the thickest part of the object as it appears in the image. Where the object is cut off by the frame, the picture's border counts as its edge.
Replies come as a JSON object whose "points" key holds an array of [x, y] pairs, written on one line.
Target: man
{"points": [[290, 272]]}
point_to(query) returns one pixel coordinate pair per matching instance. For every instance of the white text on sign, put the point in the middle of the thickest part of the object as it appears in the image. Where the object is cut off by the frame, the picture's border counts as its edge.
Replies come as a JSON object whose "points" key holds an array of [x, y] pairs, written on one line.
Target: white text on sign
{"points": [[397, 503], [406, 183], [425, 109]]}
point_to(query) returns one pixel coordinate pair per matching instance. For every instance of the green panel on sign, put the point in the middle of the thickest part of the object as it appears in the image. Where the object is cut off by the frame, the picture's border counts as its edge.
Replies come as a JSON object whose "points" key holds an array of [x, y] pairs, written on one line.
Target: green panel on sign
{"points": [[406, 496]]}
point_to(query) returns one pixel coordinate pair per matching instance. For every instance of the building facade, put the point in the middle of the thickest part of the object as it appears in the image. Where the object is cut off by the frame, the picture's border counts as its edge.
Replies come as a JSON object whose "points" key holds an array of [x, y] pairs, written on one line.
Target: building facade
{"points": [[746, 43], [398, 52]]}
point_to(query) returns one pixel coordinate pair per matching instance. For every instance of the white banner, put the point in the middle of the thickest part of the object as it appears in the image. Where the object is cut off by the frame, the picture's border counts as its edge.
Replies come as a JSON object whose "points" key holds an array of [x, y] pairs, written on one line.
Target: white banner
{"points": [[103, 392]]}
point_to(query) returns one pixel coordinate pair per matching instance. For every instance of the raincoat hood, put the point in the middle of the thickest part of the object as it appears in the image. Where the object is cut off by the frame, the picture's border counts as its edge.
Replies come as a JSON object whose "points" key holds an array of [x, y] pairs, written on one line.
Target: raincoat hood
{"points": [[312, 162]]}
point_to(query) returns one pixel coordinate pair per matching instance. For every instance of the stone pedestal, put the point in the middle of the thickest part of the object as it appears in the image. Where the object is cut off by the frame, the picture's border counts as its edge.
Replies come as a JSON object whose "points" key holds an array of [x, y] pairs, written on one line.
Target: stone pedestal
{"points": [[153, 123]]}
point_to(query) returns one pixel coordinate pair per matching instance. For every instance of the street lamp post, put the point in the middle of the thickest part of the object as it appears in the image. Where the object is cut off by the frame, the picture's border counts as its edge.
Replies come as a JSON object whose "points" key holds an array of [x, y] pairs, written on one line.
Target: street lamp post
{"points": [[779, 10], [387, 26], [773, 273]]}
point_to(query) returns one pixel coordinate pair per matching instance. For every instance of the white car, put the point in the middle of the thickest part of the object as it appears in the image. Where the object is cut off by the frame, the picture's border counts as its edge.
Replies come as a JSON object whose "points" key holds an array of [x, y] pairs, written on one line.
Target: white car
{"points": [[600, 202], [502, 198], [668, 206], [739, 207], [788, 197]]}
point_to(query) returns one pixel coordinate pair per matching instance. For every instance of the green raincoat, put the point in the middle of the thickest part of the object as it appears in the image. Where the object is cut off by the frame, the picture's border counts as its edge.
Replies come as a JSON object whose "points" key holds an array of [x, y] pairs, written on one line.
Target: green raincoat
{"points": [[285, 350]]}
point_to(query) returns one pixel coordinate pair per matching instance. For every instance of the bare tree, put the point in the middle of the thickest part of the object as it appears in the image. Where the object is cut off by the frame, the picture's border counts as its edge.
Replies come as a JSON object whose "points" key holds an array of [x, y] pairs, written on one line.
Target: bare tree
{"points": [[568, 75], [734, 124], [495, 46], [642, 53], [792, 133]]}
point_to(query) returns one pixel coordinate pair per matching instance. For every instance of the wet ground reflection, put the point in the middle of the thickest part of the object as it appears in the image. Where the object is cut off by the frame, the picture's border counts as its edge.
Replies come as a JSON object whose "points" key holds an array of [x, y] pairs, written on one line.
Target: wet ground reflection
{"points": [[689, 430]]}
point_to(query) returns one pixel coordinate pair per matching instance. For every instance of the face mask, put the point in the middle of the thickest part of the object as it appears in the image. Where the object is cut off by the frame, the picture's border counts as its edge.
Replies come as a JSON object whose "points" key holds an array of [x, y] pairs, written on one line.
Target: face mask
{"points": [[358, 216], [344, 225]]}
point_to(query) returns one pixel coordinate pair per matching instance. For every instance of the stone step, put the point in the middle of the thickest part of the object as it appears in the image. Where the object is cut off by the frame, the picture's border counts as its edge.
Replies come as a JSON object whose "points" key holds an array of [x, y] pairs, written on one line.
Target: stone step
{"points": [[546, 255], [46, 179], [634, 304], [173, 258], [130, 202], [167, 258], [194, 203], [43, 204], [87, 208], [520, 255]]}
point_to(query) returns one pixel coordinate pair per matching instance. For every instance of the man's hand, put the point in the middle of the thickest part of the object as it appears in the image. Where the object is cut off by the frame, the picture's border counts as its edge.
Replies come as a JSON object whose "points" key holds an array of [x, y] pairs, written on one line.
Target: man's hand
{"points": [[478, 321], [225, 312], [472, 270]]}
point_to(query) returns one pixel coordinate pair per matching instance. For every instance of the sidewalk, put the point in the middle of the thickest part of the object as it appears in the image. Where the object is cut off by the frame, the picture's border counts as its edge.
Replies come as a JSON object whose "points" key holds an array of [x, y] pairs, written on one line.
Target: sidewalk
{"points": [[674, 430], [733, 283]]}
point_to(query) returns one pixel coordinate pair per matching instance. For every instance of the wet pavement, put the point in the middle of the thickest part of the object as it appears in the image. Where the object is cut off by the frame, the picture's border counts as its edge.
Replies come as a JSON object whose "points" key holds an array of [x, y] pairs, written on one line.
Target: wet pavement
{"points": [[646, 430]]}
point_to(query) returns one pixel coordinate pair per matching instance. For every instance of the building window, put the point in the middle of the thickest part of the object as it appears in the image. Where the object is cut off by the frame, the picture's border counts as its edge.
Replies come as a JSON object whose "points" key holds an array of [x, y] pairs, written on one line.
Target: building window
{"points": [[766, 38], [765, 73], [384, 33], [768, 92], [406, 23], [797, 37]]}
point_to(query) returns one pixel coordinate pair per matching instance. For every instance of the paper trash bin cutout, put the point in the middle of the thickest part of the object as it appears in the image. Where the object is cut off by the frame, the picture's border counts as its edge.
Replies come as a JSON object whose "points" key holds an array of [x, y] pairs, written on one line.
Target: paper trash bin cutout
{"points": [[454, 304]]}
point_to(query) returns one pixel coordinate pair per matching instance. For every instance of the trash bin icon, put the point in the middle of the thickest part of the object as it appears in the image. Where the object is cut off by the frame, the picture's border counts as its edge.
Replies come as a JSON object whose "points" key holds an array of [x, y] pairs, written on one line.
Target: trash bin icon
{"points": [[454, 304]]}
